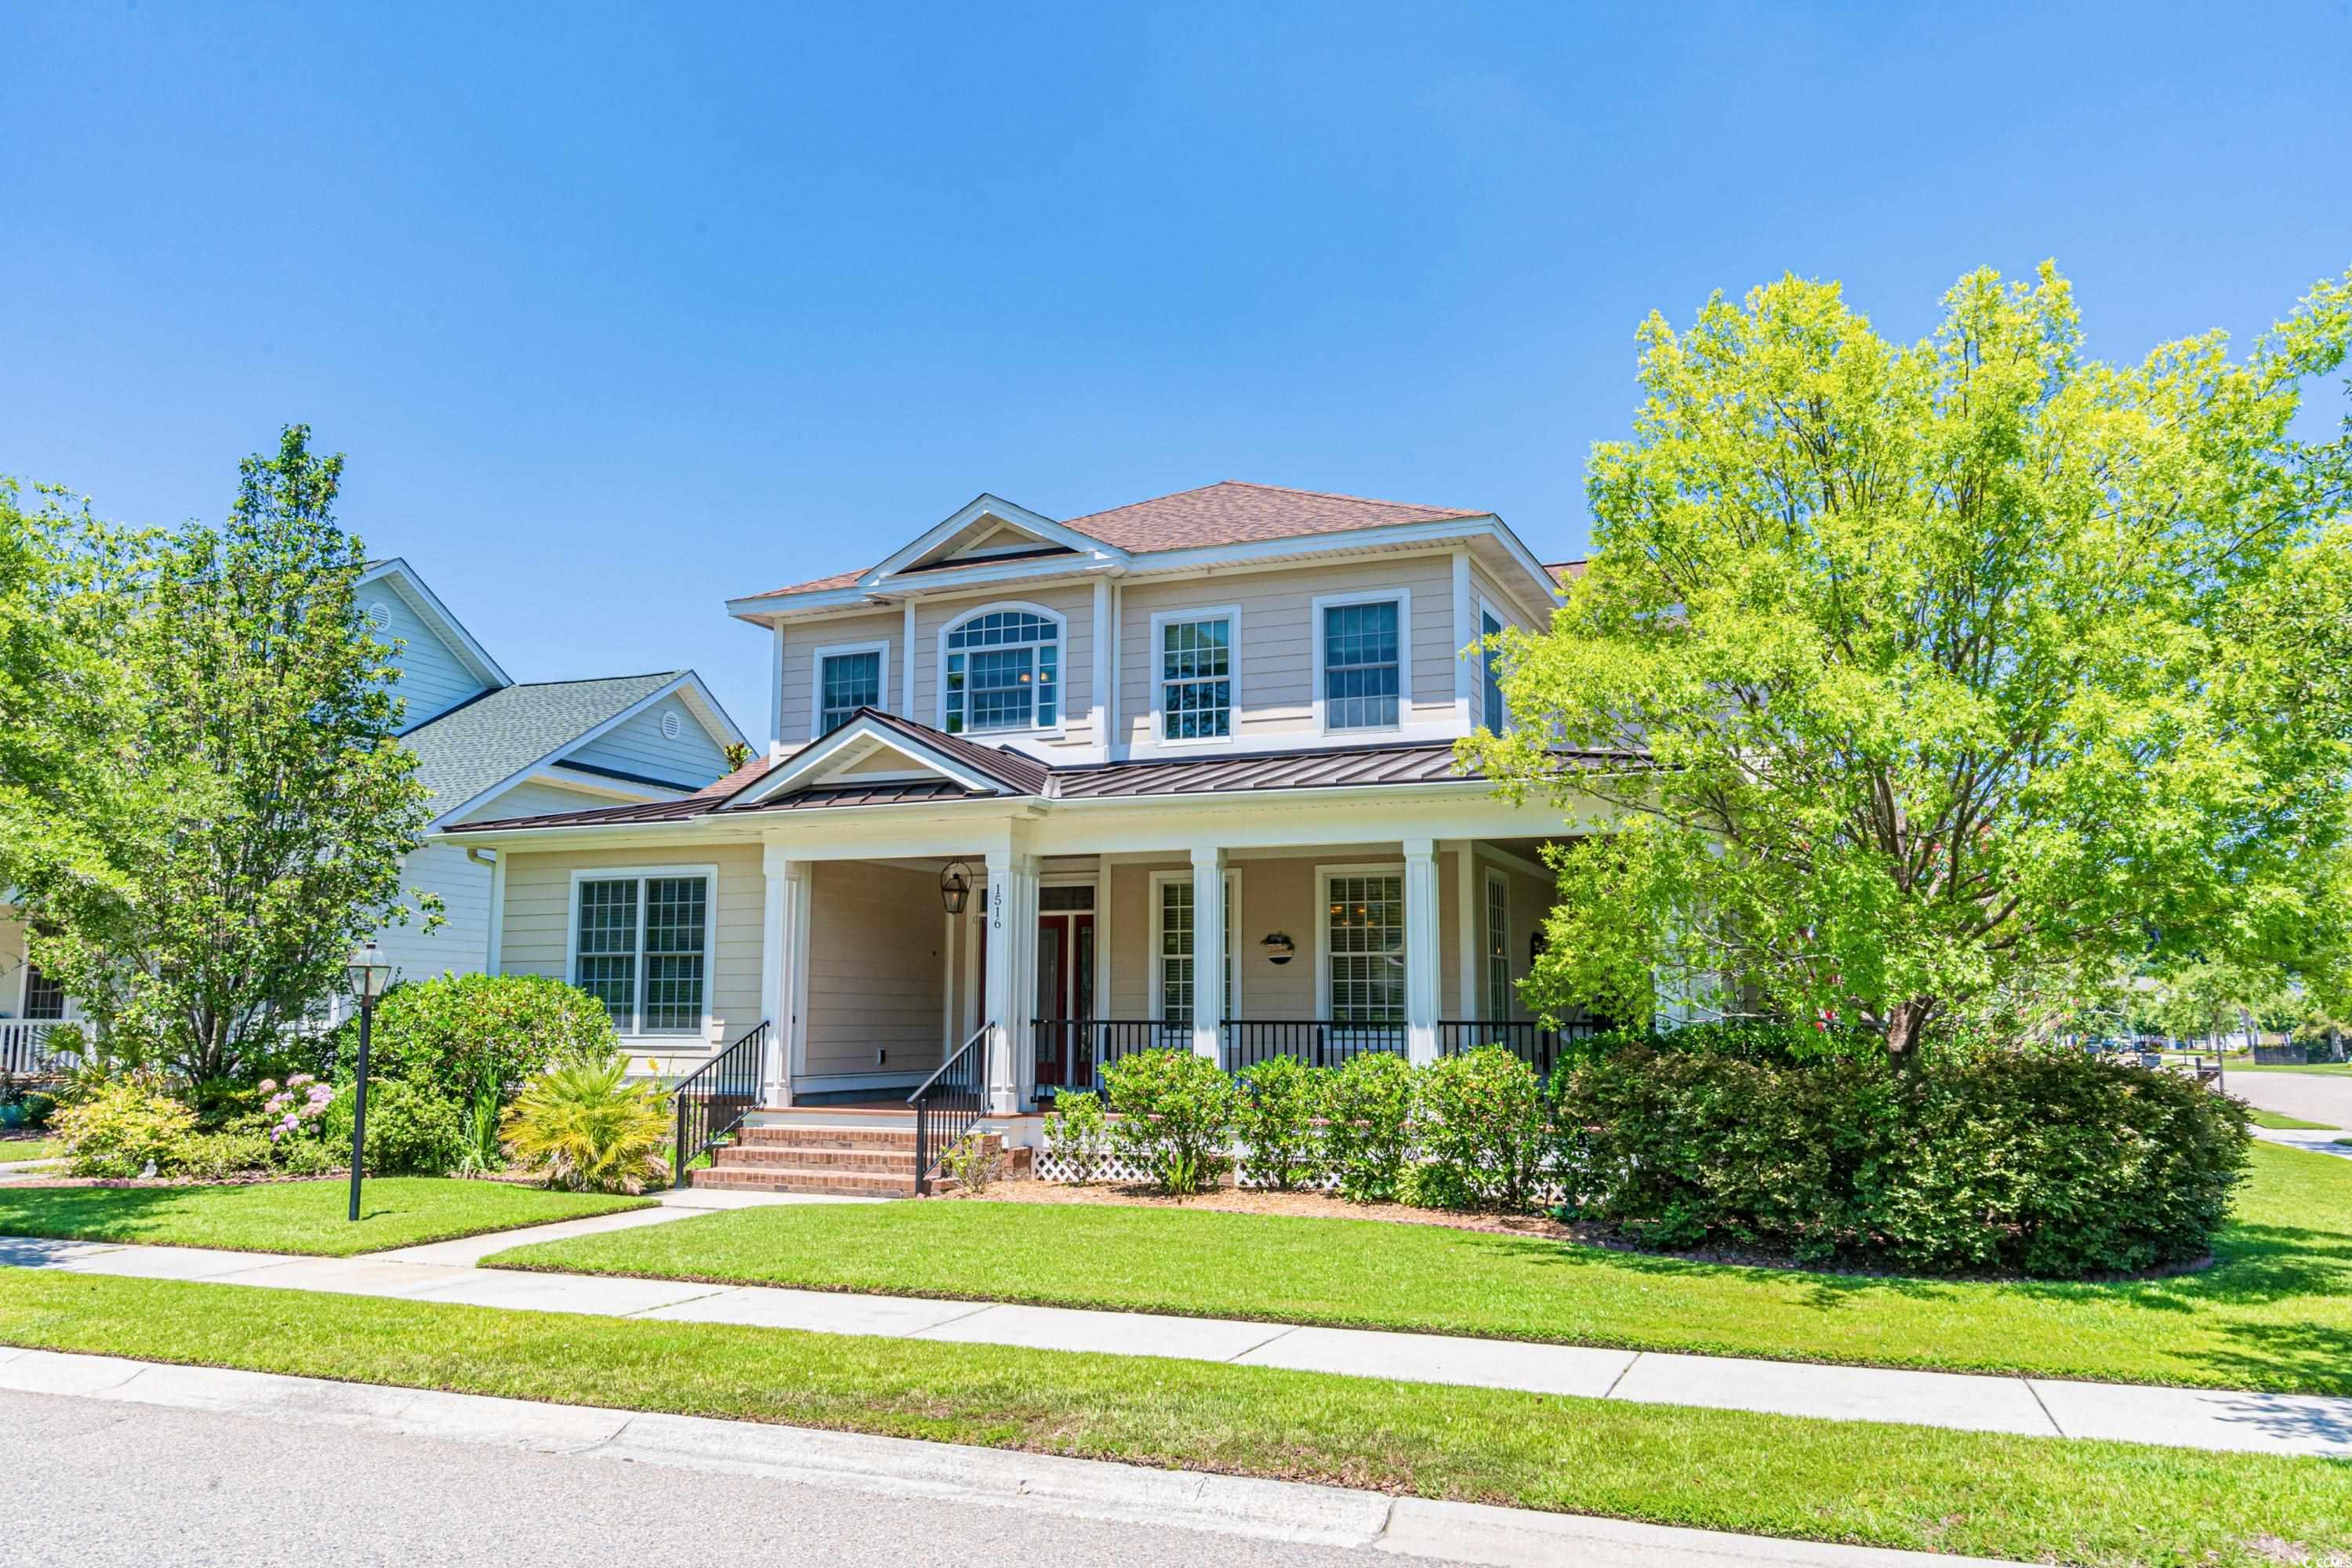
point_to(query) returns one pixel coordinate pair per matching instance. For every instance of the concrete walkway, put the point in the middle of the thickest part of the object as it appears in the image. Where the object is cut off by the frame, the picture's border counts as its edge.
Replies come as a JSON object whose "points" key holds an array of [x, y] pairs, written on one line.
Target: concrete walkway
{"points": [[2046, 1407], [418, 1443]]}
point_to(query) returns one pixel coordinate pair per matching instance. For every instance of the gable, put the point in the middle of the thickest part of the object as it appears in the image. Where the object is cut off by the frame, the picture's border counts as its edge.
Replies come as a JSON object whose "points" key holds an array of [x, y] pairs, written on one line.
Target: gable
{"points": [[664, 744], [433, 677], [1000, 539]]}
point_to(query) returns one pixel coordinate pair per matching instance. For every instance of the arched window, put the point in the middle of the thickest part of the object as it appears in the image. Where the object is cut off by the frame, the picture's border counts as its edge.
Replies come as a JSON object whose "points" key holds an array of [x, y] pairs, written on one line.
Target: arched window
{"points": [[1003, 672]]}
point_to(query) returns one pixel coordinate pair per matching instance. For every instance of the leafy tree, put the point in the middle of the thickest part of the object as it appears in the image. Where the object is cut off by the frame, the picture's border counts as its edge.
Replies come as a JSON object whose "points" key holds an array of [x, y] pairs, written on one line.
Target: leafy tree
{"points": [[257, 676], [67, 715], [1955, 677]]}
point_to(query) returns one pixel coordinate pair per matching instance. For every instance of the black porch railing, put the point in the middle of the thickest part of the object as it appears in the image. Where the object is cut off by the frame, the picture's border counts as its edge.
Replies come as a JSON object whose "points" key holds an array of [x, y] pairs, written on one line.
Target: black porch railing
{"points": [[715, 1097], [950, 1104], [1072, 1052], [1531, 1042], [1314, 1042]]}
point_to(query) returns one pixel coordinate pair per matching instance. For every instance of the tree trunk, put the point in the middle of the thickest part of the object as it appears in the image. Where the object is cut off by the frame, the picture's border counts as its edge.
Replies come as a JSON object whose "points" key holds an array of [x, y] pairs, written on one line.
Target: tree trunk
{"points": [[1905, 1022]]}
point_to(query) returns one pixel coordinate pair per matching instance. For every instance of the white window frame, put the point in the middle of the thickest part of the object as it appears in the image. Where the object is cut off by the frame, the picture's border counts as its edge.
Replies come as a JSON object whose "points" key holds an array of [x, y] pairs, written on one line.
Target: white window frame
{"points": [[1231, 615], [1062, 660], [1489, 950], [1488, 659], [1159, 999], [641, 875], [1404, 599], [816, 679], [1323, 879]]}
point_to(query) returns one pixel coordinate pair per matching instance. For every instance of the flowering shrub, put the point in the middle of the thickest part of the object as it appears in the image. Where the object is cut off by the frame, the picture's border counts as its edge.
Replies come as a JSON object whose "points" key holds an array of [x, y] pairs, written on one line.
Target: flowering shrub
{"points": [[295, 1110], [125, 1126], [1369, 1133], [1479, 1121]]}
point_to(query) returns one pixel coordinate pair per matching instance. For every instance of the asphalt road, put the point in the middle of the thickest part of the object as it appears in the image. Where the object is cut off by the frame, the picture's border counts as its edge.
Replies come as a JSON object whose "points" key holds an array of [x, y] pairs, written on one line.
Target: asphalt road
{"points": [[2309, 1096], [99, 1484]]}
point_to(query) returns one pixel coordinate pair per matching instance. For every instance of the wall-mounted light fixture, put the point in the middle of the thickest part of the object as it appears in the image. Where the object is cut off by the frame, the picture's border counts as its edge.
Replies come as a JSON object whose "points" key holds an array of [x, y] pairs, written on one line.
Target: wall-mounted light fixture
{"points": [[1279, 948]]}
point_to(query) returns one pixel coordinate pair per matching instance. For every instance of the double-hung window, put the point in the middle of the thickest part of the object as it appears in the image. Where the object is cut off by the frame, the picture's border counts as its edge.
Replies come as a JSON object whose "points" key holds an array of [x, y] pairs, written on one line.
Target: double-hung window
{"points": [[1361, 672], [846, 681], [1175, 918], [1364, 947], [44, 997], [1498, 948], [641, 945], [1196, 676], [1490, 665], [1003, 672]]}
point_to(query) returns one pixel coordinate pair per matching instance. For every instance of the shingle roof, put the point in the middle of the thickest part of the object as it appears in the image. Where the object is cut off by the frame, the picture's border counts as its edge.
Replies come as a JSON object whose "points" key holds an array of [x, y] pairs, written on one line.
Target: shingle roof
{"points": [[1565, 571], [499, 733], [1231, 512]]}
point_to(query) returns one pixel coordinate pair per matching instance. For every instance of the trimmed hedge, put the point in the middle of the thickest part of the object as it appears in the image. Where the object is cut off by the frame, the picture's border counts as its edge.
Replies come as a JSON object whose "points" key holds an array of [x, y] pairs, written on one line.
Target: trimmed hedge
{"points": [[2053, 1166]]}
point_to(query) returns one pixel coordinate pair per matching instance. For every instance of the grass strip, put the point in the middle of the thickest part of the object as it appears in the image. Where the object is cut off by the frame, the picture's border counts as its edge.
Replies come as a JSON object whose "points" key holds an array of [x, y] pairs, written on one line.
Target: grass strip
{"points": [[293, 1216], [2274, 1313], [2278, 1123], [2049, 1500]]}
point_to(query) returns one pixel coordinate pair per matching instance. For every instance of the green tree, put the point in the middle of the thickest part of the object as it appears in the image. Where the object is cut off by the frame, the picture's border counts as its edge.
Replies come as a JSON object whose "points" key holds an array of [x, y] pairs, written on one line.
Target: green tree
{"points": [[1961, 675], [67, 718], [257, 677]]}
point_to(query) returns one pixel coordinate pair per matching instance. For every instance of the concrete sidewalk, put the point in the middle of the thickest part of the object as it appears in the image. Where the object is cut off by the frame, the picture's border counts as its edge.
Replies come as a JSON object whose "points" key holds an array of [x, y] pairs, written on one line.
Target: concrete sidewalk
{"points": [[1317, 1523], [2047, 1407]]}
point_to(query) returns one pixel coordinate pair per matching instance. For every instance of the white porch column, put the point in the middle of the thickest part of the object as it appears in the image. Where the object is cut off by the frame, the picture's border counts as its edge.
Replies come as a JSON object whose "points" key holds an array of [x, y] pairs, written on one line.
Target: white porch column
{"points": [[1421, 968], [1208, 949], [1012, 981], [783, 939], [1469, 901]]}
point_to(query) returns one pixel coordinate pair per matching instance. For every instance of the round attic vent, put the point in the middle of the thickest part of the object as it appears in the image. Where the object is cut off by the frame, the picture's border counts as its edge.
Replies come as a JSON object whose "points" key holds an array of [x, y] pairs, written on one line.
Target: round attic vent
{"points": [[671, 727], [379, 617]]}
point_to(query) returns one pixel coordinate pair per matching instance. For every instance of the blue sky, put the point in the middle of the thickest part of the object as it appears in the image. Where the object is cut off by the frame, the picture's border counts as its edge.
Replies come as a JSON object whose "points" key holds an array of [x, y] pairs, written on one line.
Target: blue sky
{"points": [[617, 312]]}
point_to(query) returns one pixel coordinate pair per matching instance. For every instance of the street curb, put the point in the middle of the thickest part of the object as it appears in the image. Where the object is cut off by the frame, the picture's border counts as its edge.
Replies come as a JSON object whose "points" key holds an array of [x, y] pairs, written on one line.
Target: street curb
{"points": [[1085, 1488]]}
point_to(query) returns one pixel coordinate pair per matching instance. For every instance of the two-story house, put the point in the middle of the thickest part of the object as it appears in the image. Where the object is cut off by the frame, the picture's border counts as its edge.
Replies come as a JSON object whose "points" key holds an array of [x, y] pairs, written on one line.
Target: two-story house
{"points": [[487, 746], [1043, 792]]}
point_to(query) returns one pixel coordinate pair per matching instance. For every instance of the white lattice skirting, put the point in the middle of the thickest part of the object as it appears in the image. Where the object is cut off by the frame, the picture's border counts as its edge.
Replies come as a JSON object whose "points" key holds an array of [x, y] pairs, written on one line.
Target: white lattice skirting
{"points": [[1054, 1165]]}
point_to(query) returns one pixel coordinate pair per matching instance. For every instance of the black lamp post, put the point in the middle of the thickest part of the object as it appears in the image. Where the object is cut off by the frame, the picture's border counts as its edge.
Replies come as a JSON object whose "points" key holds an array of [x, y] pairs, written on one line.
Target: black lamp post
{"points": [[367, 972]]}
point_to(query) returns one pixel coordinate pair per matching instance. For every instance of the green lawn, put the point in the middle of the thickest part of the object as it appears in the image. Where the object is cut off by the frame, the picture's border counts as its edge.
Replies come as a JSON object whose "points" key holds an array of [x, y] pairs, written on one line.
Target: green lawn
{"points": [[2275, 1312], [2045, 1499], [14, 1150], [2277, 1123], [2237, 1066], [293, 1217]]}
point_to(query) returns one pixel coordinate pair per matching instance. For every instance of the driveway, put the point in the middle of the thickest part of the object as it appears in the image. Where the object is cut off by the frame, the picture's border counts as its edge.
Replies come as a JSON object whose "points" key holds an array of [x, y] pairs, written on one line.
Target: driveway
{"points": [[2310, 1095]]}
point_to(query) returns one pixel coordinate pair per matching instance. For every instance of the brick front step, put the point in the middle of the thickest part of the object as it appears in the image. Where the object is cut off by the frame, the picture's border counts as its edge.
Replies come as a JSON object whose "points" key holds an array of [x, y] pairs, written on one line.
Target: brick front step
{"points": [[828, 1138], [785, 1179], [761, 1156]]}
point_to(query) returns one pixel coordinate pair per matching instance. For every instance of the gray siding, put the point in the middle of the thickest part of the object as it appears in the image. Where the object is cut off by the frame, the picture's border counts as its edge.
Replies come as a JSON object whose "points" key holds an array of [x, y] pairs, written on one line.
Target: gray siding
{"points": [[638, 746], [432, 679]]}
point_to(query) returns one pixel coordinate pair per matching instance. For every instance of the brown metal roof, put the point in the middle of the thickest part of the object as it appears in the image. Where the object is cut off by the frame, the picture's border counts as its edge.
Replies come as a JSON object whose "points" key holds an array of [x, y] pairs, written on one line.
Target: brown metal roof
{"points": [[897, 791], [1420, 762]]}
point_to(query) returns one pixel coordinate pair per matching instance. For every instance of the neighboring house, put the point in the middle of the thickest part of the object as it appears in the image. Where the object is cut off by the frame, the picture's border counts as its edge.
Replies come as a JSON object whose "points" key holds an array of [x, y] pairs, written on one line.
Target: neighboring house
{"points": [[1194, 755], [487, 746]]}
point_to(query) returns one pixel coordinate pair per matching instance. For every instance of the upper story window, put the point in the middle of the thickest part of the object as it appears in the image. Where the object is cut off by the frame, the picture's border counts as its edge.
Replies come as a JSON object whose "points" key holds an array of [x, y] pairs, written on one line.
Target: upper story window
{"points": [[1361, 646], [1490, 663], [1003, 672], [848, 678], [1196, 674]]}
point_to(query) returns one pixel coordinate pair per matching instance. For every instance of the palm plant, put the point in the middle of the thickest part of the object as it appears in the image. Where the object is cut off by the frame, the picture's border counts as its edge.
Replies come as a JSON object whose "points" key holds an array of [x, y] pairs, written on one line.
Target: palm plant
{"points": [[582, 1126]]}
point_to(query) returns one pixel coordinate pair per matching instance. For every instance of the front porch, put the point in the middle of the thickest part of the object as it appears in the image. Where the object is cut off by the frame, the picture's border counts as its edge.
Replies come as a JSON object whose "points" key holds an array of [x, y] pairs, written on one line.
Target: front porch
{"points": [[1315, 953]]}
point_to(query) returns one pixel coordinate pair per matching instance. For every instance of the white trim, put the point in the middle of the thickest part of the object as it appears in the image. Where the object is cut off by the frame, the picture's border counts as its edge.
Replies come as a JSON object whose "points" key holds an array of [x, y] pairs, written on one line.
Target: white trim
{"points": [[1323, 874], [1494, 877], [1404, 597], [1032, 731], [805, 762], [1098, 707], [495, 948], [436, 614], [971, 511], [907, 636], [1161, 620], [1463, 614], [776, 694], [1155, 1002], [1114, 738], [639, 874], [1465, 946], [817, 655]]}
